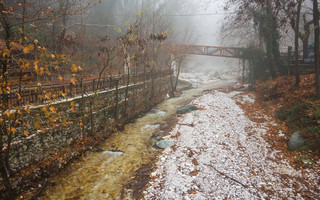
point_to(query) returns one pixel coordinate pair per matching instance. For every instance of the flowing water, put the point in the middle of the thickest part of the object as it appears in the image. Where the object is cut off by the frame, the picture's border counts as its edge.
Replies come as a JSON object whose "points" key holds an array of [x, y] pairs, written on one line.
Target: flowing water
{"points": [[104, 174]]}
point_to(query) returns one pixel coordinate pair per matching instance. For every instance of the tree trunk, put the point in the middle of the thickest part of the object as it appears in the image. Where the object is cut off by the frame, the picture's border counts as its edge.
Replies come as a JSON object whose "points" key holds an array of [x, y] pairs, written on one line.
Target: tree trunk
{"points": [[270, 60], [22, 39], [296, 44], [271, 39], [4, 84], [64, 24], [305, 44], [316, 45], [305, 36], [178, 73]]}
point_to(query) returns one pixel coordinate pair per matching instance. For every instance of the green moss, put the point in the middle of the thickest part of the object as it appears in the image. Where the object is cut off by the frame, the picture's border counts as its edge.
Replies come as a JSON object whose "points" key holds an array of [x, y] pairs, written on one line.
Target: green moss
{"points": [[298, 117]]}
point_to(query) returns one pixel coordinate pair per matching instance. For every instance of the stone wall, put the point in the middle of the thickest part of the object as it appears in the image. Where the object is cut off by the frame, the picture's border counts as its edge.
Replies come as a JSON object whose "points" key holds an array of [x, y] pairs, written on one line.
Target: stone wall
{"points": [[99, 113]]}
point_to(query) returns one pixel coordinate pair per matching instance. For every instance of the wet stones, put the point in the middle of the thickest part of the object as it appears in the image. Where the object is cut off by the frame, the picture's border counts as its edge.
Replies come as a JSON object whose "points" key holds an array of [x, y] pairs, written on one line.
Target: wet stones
{"points": [[162, 144], [296, 141], [113, 153], [186, 109]]}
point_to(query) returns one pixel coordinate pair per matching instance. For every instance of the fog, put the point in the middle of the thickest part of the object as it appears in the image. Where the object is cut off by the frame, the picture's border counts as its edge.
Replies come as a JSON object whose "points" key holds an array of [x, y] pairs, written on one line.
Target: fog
{"points": [[204, 23], [193, 22]]}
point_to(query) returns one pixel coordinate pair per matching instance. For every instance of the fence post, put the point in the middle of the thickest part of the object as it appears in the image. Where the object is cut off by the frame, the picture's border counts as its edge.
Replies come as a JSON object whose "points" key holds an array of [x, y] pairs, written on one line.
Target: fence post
{"points": [[93, 83], [29, 97], [70, 88], [39, 93], [289, 59]]}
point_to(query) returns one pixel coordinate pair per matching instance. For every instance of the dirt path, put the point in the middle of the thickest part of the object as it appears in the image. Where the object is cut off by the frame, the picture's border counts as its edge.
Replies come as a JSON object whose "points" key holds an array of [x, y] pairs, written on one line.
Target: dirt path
{"points": [[221, 154]]}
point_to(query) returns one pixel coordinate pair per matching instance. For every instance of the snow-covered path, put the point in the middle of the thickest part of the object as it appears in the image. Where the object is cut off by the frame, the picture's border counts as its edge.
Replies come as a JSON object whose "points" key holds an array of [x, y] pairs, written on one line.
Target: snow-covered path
{"points": [[221, 154]]}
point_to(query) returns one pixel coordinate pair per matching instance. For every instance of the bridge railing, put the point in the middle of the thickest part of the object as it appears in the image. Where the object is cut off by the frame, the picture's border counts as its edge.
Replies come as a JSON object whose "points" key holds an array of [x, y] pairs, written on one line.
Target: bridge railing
{"points": [[218, 51]]}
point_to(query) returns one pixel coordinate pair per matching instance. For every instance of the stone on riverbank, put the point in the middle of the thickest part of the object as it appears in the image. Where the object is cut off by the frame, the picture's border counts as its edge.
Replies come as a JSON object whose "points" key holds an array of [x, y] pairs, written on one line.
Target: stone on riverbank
{"points": [[186, 109], [164, 144], [296, 141]]}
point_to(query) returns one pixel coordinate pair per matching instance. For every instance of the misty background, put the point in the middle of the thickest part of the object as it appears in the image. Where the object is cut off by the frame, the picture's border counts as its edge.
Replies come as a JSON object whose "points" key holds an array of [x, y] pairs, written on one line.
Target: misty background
{"points": [[193, 22]]}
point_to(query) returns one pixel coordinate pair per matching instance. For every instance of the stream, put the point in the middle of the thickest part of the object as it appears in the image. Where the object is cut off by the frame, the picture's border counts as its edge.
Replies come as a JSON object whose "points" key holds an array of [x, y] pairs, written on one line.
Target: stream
{"points": [[113, 171]]}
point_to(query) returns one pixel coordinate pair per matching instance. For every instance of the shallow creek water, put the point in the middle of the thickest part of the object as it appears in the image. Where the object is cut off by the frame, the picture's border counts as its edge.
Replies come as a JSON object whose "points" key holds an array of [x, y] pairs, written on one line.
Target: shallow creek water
{"points": [[102, 175]]}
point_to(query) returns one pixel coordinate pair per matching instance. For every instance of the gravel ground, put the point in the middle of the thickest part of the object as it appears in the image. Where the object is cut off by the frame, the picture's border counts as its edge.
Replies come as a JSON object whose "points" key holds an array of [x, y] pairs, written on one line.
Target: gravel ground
{"points": [[221, 154]]}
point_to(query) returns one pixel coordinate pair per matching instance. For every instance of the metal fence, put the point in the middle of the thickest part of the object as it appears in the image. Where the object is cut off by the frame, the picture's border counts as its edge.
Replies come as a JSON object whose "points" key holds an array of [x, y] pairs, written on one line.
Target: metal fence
{"points": [[53, 92]]}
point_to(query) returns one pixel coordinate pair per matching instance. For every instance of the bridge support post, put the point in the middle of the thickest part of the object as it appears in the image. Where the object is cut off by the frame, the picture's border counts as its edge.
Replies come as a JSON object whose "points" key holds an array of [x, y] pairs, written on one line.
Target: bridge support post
{"points": [[243, 61]]}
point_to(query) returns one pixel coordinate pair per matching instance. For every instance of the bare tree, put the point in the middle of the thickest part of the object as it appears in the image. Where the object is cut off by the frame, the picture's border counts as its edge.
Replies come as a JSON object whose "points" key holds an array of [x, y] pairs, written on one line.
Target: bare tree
{"points": [[316, 45]]}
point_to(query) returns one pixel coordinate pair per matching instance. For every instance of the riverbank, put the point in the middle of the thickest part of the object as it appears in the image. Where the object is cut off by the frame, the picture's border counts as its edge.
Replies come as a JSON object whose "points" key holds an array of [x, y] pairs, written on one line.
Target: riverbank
{"points": [[108, 171], [222, 151]]}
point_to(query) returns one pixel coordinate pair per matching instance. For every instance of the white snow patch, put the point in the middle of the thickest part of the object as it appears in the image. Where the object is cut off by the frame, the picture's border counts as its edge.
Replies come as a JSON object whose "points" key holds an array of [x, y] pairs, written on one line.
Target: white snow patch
{"points": [[215, 158], [152, 126]]}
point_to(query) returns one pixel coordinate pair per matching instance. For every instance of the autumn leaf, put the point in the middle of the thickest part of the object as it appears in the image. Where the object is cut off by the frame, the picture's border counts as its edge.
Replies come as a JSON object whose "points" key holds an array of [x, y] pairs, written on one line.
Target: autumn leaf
{"points": [[37, 125], [60, 78], [26, 133], [41, 71], [192, 192], [74, 68], [52, 109], [6, 113], [40, 97], [64, 123], [11, 130], [28, 49], [73, 81], [72, 103], [28, 110], [39, 84], [47, 95]]}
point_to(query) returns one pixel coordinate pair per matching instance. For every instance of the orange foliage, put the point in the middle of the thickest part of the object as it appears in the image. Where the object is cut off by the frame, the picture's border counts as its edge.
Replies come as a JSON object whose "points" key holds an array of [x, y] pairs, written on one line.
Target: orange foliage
{"points": [[283, 89], [272, 95]]}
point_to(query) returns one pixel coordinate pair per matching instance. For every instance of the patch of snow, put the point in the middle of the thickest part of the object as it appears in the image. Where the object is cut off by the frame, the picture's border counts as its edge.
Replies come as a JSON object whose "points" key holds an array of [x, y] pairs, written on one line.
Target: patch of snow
{"points": [[215, 157], [242, 98], [281, 134], [152, 126], [112, 153], [187, 119]]}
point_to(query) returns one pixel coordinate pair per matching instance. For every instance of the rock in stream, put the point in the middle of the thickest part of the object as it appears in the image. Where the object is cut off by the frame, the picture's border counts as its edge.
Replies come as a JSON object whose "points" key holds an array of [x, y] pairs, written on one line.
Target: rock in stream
{"points": [[186, 109]]}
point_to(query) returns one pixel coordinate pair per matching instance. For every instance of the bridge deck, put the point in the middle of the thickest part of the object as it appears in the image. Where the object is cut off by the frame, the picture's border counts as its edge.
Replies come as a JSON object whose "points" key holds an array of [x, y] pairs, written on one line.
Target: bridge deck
{"points": [[227, 52]]}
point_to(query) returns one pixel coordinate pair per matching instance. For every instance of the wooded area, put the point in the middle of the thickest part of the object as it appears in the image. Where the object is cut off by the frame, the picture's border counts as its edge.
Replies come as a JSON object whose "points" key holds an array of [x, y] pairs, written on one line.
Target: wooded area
{"points": [[54, 50], [279, 72], [57, 49]]}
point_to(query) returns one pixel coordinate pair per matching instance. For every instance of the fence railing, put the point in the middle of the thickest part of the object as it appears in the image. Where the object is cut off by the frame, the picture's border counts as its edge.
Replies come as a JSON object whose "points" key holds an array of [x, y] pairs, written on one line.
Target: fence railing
{"points": [[48, 93]]}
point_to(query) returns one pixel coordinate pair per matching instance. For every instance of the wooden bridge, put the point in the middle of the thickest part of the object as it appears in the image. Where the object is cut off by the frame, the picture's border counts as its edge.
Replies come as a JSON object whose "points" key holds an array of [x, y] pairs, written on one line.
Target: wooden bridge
{"points": [[218, 51]]}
